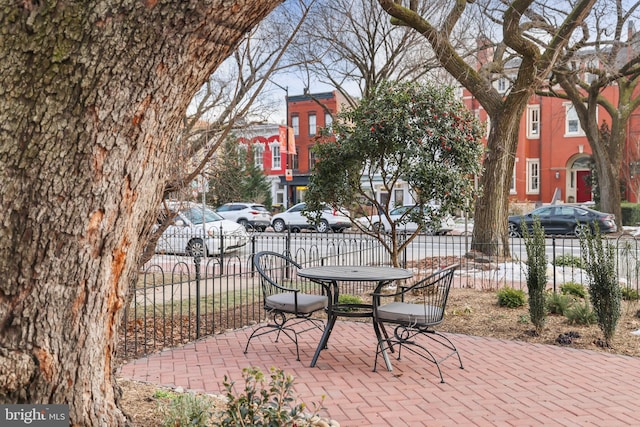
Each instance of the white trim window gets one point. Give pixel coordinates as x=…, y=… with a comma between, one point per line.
x=502, y=85
x=312, y=124
x=512, y=188
x=572, y=123
x=276, y=161
x=295, y=124
x=533, y=121
x=533, y=176
x=328, y=120
x=258, y=151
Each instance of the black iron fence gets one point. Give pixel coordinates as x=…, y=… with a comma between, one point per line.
x=178, y=299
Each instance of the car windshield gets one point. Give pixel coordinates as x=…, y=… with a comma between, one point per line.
x=399, y=211
x=196, y=215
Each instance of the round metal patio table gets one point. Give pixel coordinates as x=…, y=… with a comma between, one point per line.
x=333, y=275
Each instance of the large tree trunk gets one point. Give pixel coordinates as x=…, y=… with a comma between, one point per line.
x=91, y=95
x=608, y=147
x=490, y=234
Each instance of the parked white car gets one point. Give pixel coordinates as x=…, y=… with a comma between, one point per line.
x=196, y=229
x=253, y=216
x=401, y=216
x=294, y=220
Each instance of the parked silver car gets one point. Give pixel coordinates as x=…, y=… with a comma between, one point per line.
x=295, y=220
x=197, y=230
x=402, y=218
x=253, y=216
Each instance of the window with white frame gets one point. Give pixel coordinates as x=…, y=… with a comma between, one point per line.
x=312, y=124
x=533, y=121
x=502, y=85
x=533, y=176
x=328, y=120
x=572, y=123
x=276, y=161
x=295, y=124
x=312, y=158
x=512, y=187
x=258, y=151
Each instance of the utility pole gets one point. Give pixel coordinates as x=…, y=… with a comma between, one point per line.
x=288, y=172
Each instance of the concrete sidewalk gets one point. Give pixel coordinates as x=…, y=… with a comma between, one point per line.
x=503, y=383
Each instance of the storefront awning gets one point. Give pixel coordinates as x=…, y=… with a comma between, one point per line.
x=297, y=180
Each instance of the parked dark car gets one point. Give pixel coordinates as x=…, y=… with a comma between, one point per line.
x=563, y=219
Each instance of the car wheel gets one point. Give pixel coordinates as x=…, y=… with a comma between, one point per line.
x=514, y=231
x=323, y=226
x=244, y=223
x=278, y=225
x=581, y=230
x=196, y=247
x=378, y=227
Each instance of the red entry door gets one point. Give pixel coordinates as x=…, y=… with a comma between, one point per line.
x=583, y=189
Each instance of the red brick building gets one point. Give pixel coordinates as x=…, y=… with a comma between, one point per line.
x=553, y=156
x=306, y=114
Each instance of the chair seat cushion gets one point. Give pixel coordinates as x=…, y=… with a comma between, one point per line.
x=307, y=303
x=409, y=313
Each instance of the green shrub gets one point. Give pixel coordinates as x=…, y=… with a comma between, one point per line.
x=581, y=314
x=536, y=272
x=630, y=214
x=556, y=303
x=604, y=287
x=574, y=289
x=568, y=260
x=629, y=294
x=185, y=409
x=512, y=298
x=349, y=299
x=261, y=404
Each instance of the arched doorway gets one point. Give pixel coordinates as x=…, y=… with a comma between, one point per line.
x=578, y=177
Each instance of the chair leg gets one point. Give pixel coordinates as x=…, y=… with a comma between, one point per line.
x=448, y=344
x=275, y=328
x=284, y=326
x=406, y=339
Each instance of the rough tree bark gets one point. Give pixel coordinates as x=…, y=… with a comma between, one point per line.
x=91, y=94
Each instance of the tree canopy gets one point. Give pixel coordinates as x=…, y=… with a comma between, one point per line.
x=403, y=131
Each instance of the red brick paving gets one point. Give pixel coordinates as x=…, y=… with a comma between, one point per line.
x=503, y=383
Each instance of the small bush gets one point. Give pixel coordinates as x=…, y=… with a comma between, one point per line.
x=185, y=409
x=536, y=272
x=262, y=404
x=556, y=303
x=629, y=294
x=604, y=287
x=574, y=289
x=581, y=314
x=512, y=298
x=349, y=299
x=630, y=213
x=568, y=260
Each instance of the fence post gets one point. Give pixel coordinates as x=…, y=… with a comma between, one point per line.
x=196, y=261
x=253, y=251
x=287, y=244
x=221, y=246
x=553, y=261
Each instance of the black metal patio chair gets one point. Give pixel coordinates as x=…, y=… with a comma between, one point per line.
x=414, y=313
x=289, y=299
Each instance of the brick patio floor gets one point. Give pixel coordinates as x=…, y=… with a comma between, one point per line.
x=503, y=383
